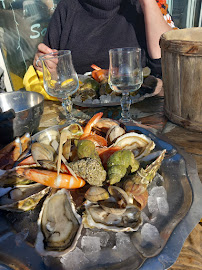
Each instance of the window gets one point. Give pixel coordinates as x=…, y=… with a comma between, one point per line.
x=186, y=13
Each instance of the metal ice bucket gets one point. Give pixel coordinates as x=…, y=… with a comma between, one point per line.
x=24, y=110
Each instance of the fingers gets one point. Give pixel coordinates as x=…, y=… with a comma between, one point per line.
x=42, y=49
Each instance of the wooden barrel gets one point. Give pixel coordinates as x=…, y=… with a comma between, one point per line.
x=182, y=76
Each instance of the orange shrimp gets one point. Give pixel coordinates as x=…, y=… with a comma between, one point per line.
x=27, y=161
x=87, y=132
x=99, y=74
x=96, y=139
x=91, y=123
x=49, y=178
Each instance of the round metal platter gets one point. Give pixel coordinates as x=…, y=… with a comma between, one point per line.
x=184, y=191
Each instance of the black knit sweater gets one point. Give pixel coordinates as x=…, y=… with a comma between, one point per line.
x=89, y=28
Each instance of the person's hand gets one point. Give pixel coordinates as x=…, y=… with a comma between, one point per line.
x=42, y=49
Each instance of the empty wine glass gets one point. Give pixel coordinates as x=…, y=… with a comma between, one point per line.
x=125, y=76
x=60, y=78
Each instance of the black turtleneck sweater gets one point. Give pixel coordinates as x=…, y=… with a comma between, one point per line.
x=89, y=28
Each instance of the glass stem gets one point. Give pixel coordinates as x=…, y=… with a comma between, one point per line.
x=125, y=105
x=67, y=105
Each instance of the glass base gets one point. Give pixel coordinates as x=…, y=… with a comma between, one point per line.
x=67, y=122
x=129, y=121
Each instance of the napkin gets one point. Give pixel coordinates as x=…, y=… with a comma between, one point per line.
x=33, y=81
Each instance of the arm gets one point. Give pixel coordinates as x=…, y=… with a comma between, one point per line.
x=155, y=26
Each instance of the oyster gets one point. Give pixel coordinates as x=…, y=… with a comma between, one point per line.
x=113, y=214
x=11, y=178
x=97, y=217
x=59, y=225
x=23, y=197
x=139, y=144
x=89, y=89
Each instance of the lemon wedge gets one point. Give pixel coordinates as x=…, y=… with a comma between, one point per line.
x=53, y=82
x=146, y=71
x=65, y=83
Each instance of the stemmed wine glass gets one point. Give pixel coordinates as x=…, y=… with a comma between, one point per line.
x=60, y=79
x=125, y=76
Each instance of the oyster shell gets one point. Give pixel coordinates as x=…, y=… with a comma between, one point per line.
x=113, y=133
x=23, y=197
x=114, y=214
x=139, y=144
x=97, y=217
x=59, y=225
x=10, y=178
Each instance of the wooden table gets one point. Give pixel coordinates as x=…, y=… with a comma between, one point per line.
x=150, y=113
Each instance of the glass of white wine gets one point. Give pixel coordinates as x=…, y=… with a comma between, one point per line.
x=125, y=76
x=60, y=79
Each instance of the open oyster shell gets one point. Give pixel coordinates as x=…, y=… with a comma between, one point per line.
x=59, y=225
x=97, y=217
x=23, y=197
x=139, y=144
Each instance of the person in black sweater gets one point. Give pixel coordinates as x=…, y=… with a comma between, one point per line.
x=90, y=28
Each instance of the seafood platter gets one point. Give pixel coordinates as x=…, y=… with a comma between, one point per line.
x=97, y=196
x=94, y=90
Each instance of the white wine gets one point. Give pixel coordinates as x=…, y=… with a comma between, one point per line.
x=125, y=83
x=62, y=90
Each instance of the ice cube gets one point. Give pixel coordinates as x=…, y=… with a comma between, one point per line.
x=104, y=236
x=158, y=192
x=152, y=204
x=75, y=259
x=88, y=101
x=105, y=98
x=150, y=234
x=90, y=244
x=96, y=101
x=124, y=245
x=163, y=206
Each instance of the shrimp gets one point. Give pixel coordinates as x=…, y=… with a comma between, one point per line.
x=87, y=132
x=27, y=161
x=91, y=123
x=99, y=74
x=51, y=179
